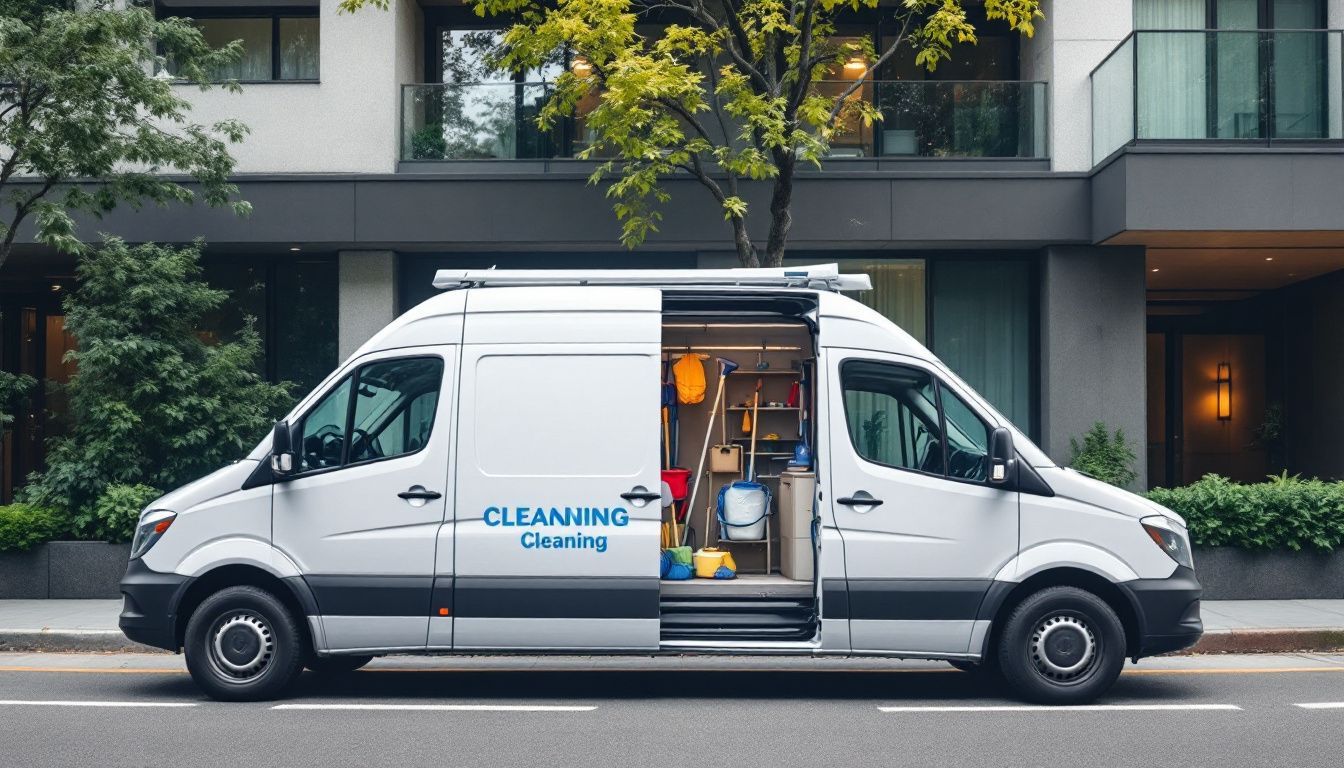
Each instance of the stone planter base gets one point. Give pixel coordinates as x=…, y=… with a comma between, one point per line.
x=64, y=569
x=1228, y=573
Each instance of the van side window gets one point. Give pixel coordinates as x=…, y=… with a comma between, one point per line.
x=383, y=409
x=967, y=438
x=892, y=415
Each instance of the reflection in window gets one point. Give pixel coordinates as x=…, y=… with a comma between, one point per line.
x=892, y=415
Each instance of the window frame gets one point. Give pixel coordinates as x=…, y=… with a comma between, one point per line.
x=275, y=14
x=939, y=383
x=297, y=425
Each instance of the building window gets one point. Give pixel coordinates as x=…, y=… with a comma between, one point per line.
x=292, y=305
x=276, y=46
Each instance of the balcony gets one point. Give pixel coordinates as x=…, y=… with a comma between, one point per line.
x=1259, y=87
x=922, y=119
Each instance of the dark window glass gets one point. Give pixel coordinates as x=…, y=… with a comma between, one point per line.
x=892, y=415
x=274, y=48
x=305, y=336
x=299, y=54
x=394, y=407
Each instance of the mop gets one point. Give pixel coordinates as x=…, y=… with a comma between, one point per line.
x=726, y=367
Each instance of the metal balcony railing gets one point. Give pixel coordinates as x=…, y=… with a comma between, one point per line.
x=497, y=121
x=1250, y=86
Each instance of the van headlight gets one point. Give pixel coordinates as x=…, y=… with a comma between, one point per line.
x=152, y=527
x=1169, y=538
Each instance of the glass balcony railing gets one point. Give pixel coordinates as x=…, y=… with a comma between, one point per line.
x=1261, y=86
x=920, y=119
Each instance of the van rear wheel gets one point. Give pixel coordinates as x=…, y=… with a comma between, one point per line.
x=242, y=644
x=1061, y=646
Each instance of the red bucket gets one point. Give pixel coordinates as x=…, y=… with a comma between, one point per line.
x=678, y=480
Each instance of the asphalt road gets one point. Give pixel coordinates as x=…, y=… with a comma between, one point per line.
x=124, y=710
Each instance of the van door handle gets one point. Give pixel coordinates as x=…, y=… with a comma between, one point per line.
x=419, y=492
x=639, y=496
x=859, y=499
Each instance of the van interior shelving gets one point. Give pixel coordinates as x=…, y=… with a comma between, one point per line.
x=773, y=597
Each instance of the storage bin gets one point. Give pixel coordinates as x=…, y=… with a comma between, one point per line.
x=795, y=557
x=796, y=491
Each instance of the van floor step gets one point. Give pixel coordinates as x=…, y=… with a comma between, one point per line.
x=736, y=619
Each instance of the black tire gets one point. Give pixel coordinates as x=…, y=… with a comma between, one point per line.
x=242, y=644
x=334, y=666
x=1061, y=646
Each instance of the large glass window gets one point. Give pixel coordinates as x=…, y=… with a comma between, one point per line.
x=275, y=46
x=983, y=330
x=967, y=437
x=292, y=305
x=390, y=414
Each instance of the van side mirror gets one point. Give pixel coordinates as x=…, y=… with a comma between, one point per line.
x=1002, y=457
x=282, y=453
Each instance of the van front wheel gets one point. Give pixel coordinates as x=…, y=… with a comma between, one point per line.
x=1061, y=646
x=242, y=644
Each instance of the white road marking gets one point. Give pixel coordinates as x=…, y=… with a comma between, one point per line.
x=441, y=707
x=41, y=703
x=1080, y=708
x=1322, y=705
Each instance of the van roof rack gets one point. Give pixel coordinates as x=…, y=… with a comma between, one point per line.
x=818, y=276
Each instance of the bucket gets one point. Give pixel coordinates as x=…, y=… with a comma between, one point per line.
x=677, y=480
x=743, y=507
x=709, y=560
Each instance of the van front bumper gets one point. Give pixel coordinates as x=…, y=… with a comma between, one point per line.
x=1168, y=612
x=149, y=602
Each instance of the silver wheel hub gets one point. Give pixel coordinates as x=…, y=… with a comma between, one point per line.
x=241, y=646
x=1063, y=648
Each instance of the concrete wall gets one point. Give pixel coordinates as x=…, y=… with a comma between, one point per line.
x=1093, y=329
x=368, y=296
x=347, y=122
x=1072, y=40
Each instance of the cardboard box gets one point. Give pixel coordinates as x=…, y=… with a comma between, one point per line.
x=796, y=491
x=795, y=557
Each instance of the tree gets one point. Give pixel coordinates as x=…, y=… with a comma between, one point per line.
x=80, y=101
x=152, y=402
x=728, y=94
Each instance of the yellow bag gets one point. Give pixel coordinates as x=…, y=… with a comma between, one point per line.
x=689, y=373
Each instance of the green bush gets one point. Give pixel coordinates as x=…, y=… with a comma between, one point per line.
x=24, y=526
x=1284, y=513
x=151, y=401
x=114, y=515
x=1104, y=456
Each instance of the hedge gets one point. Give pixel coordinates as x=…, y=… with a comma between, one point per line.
x=24, y=526
x=1283, y=513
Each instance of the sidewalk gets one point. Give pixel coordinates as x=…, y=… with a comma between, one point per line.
x=1230, y=626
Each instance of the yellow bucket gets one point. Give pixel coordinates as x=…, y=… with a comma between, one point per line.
x=708, y=560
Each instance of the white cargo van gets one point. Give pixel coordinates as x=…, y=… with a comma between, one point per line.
x=484, y=476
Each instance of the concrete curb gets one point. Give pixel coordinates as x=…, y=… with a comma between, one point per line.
x=70, y=641
x=1317, y=640
x=1222, y=641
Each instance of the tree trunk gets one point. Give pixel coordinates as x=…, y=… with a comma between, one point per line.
x=746, y=252
x=781, y=220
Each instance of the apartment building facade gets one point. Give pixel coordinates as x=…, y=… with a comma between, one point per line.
x=1134, y=217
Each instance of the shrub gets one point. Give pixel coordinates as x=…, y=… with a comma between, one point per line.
x=24, y=526
x=1103, y=456
x=151, y=401
x=1285, y=513
x=114, y=515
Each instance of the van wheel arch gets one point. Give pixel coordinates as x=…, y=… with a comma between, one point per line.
x=293, y=593
x=1000, y=608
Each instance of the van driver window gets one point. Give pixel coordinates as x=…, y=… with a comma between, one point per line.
x=967, y=439
x=892, y=415
x=391, y=413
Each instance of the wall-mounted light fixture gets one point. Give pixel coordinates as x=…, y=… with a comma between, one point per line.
x=856, y=64
x=1224, y=391
x=581, y=66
